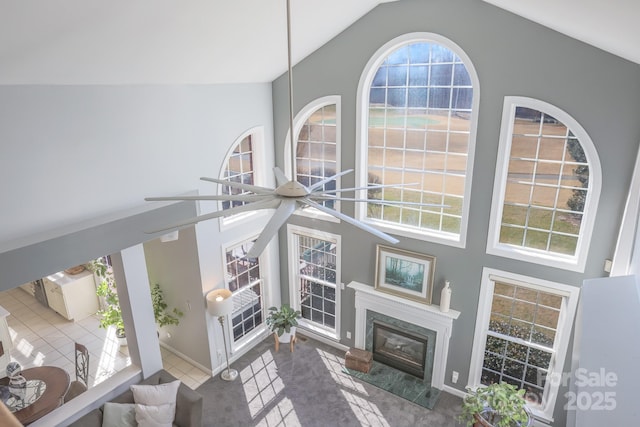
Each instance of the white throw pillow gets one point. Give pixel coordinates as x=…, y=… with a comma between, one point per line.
x=160, y=396
x=155, y=415
x=119, y=415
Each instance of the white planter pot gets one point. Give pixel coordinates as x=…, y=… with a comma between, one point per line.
x=285, y=338
x=122, y=340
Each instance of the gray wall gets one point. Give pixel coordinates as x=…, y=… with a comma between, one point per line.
x=512, y=56
x=181, y=287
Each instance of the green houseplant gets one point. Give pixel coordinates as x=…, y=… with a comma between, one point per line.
x=497, y=405
x=161, y=311
x=110, y=312
x=282, y=320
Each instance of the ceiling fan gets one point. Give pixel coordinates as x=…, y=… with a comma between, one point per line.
x=289, y=195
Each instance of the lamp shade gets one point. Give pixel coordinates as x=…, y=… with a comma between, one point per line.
x=220, y=302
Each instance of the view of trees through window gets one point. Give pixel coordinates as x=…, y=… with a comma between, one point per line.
x=316, y=149
x=521, y=336
x=318, y=281
x=419, y=125
x=547, y=185
x=239, y=169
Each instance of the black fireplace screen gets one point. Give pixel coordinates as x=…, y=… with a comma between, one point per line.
x=402, y=350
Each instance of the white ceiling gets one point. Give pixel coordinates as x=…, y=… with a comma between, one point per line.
x=228, y=41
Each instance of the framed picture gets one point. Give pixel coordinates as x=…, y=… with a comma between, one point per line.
x=405, y=274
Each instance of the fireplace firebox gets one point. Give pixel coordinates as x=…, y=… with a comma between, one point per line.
x=403, y=350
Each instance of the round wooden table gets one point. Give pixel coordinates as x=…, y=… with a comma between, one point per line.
x=46, y=386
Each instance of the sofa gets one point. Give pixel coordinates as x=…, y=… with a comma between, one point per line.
x=188, y=404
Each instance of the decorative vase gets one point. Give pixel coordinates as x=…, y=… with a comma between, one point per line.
x=445, y=297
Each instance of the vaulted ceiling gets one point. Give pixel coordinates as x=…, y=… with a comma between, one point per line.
x=231, y=41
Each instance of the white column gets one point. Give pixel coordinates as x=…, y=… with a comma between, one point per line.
x=132, y=279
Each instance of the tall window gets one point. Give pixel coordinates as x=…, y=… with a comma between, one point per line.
x=243, y=165
x=419, y=100
x=547, y=186
x=243, y=279
x=522, y=333
x=317, y=153
x=239, y=169
x=316, y=277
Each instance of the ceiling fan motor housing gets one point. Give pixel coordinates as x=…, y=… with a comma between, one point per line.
x=292, y=189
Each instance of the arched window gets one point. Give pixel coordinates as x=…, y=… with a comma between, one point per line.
x=317, y=146
x=547, y=186
x=418, y=99
x=243, y=164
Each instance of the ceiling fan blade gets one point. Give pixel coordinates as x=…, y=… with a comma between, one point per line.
x=377, y=201
x=253, y=188
x=281, y=178
x=224, y=197
x=263, y=204
x=351, y=221
x=281, y=215
x=321, y=184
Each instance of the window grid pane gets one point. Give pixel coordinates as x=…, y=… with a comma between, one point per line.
x=521, y=338
x=419, y=128
x=243, y=279
x=316, y=149
x=239, y=169
x=546, y=187
x=318, y=281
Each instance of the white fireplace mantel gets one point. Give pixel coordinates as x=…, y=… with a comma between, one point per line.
x=426, y=316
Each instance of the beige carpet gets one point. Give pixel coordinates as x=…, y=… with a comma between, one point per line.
x=309, y=388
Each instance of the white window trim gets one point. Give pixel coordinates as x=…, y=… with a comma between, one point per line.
x=294, y=281
x=362, y=124
x=299, y=120
x=494, y=247
x=563, y=333
x=259, y=162
x=259, y=332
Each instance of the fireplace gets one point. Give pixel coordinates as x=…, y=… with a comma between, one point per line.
x=399, y=349
x=405, y=315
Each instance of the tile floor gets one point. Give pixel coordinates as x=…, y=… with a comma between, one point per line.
x=42, y=337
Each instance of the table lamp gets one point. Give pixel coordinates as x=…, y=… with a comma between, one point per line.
x=220, y=304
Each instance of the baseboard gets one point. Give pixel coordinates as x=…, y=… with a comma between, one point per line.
x=461, y=394
x=324, y=340
x=186, y=358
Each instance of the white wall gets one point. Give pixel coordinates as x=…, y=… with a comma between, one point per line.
x=73, y=153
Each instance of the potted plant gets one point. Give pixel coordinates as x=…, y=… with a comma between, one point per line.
x=497, y=405
x=110, y=312
x=162, y=314
x=283, y=322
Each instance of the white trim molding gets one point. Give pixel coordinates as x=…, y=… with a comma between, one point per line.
x=426, y=316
